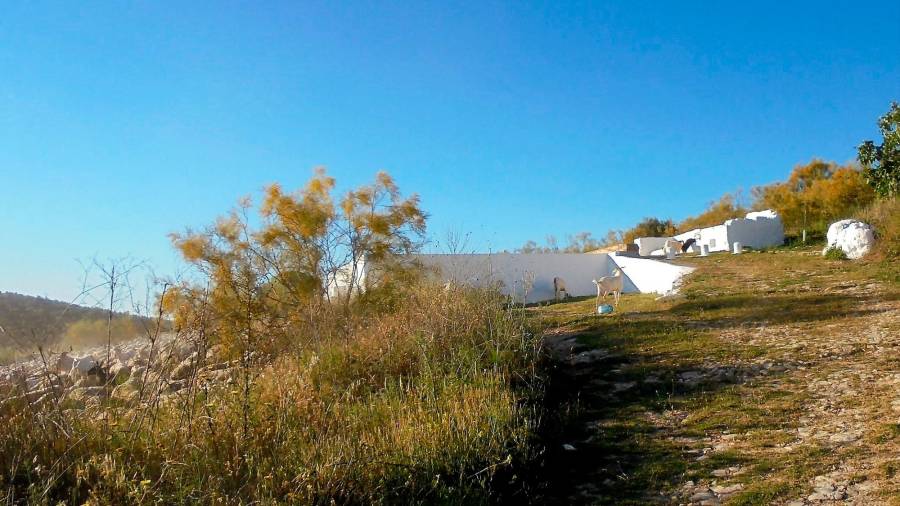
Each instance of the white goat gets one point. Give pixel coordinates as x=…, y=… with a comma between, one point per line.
x=610, y=285
x=559, y=287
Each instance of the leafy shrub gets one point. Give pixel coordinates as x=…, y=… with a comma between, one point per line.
x=815, y=195
x=726, y=208
x=882, y=162
x=835, y=253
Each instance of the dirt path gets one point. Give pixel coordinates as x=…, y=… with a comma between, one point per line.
x=777, y=380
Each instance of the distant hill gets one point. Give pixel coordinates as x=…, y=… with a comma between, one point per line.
x=28, y=322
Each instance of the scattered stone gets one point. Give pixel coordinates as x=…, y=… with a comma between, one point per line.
x=624, y=386
x=91, y=380
x=702, y=495
x=183, y=370
x=727, y=490
x=843, y=438
x=119, y=372
x=587, y=357
x=84, y=365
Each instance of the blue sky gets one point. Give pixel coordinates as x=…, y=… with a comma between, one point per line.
x=121, y=122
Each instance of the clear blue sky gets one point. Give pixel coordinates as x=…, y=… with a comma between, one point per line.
x=123, y=121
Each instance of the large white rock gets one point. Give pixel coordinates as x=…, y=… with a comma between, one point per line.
x=855, y=238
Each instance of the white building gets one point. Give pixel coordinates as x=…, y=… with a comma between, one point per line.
x=757, y=230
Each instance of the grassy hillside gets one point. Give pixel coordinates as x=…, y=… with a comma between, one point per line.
x=774, y=378
x=29, y=322
x=430, y=402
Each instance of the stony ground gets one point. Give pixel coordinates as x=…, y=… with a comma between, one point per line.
x=774, y=378
x=136, y=372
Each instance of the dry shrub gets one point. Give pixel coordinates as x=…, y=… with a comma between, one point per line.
x=94, y=332
x=884, y=215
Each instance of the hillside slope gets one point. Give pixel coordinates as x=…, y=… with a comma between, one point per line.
x=774, y=379
x=28, y=322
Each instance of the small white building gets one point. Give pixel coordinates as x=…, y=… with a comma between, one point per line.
x=648, y=246
x=762, y=229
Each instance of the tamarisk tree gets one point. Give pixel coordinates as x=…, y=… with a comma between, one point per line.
x=271, y=281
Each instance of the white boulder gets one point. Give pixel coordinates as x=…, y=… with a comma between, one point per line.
x=855, y=238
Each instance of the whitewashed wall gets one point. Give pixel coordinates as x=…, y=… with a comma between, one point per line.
x=761, y=229
x=515, y=270
x=758, y=230
x=647, y=245
x=716, y=238
x=645, y=275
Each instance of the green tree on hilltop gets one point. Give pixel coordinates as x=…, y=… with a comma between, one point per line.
x=882, y=163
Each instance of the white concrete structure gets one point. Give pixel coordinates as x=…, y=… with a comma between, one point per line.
x=523, y=276
x=645, y=275
x=855, y=238
x=757, y=230
x=529, y=277
x=647, y=245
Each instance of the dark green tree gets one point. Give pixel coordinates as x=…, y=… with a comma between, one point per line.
x=882, y=163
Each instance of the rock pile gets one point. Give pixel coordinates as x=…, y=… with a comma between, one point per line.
x=125, y=372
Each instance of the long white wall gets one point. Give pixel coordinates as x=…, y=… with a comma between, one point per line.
x=758, y=230
x=529, y=277
x=516, y=271
x=716, y=238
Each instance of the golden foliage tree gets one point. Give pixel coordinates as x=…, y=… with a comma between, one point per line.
x=816, y=194
x=267, y=284
x=649, y=227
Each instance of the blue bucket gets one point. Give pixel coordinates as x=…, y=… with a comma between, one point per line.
x=605, y=309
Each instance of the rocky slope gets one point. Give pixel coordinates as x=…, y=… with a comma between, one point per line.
x=127, y=372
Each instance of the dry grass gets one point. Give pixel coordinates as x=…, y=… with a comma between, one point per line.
x=781, y=365
x=432, y=402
